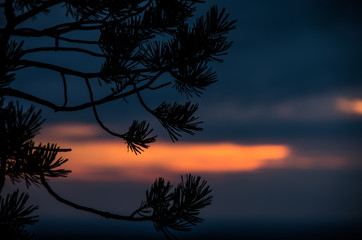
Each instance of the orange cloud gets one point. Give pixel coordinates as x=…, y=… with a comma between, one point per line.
x=88, y=158
x=349, y=106
x=70, y=130
x=104, y=160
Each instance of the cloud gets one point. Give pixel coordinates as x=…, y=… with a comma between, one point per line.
x=104, y=160
x=89, y=159
x=315, y=108
x=69, y=132
x=351, y=106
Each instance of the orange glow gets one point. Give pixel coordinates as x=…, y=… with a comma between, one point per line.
x=350, y=106
x=88, y=158
x=104, y=160
x=70, y=130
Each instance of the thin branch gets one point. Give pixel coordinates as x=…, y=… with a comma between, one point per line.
x=141, y=99
x=66, y=49
x=70, y=26
x=160, y=86
x=19, y=68
x=67, y=27
x=19, y=94
x=56, y=68
x=115, y=96
x=10, y=16
x=88, y=209
x=65, y=89
x=60, y=29
x=57, y=150
x=63, y=28
x=76, y=26
x=74, y=40
x=36, y=33
x=2, y=172
x=35, y=11
x=137, y=211
x=96, y=114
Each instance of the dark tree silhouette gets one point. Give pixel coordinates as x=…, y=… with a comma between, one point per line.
x=145, y=45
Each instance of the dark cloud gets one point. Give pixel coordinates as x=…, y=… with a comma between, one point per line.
x=264, y=204
x=286, y=49
x=289, y=63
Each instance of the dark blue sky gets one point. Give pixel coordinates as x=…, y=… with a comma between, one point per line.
x=290, y=62
x=290, y=65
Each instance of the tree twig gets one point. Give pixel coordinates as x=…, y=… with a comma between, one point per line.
x=57, y=68
x=31, y=13
x=65, y=49
x=96, y=114
x=19, y=94
x=88, y=209
x=36, y=33
x=65, y=89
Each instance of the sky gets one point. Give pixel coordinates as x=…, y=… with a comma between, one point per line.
x=281, y=146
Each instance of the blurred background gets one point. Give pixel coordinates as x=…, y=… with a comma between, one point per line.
x=281, y=146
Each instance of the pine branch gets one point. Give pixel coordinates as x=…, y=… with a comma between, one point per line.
x=31, y=13
x=28, y=161
x=13, y=210
x=133, y=62
x=65, y=49
x=137, y=137
x=176, y=118
x=96, y=114
x=88, y=209
x=29, y=63
x=64, y=89
x=36, y=33
x=56, y=108
x=178, y=209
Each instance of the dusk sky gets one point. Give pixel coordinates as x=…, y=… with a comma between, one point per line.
x=281, y=146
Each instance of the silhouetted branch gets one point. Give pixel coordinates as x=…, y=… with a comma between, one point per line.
x=56, y=108
x=15, y=215
x=10, y=17
x=176, y=118
x=31, y=13
x=64, y=89
x=75, y=40
x=96, y=114
x=177, y=210
x=19, y=94
x=13, y=210
x=56, y=68
x=65, y=49
x=2, y=171
x=63, y=28
x=28, y=161
x=51, y=150
x=159, y=86
x=141, y=99
x=139, y=41
x=87, y=209
x=137, y=137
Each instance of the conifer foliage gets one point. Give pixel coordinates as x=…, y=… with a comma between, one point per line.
x=144, y=45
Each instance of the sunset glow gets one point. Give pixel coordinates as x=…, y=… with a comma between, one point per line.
x=350, y=106
x=88, y=158
x=71, y=130
x=94, y=158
